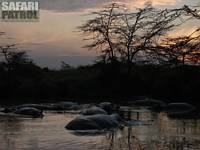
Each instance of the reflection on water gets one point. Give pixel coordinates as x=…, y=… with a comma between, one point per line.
x=49, y=133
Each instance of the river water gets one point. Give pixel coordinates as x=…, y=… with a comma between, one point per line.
x=158, y=133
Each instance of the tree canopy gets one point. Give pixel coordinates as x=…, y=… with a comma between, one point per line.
x=118, y=33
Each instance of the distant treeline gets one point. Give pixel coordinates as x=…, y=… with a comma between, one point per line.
x=27, y=82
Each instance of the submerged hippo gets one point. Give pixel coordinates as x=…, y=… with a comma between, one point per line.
x=150, y=103
x=40, y=106
x=37, y=106
x=8, y=110
x=180, y=110
x=52, y=106
x=2, y=109
x=68, y=105
x=95, y=122
x=93, y=111
x=29, y=111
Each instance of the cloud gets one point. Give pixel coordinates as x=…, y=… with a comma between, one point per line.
x=71, y=5
x=84, y=5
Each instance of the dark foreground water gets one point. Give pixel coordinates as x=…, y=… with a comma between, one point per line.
x=159, y=133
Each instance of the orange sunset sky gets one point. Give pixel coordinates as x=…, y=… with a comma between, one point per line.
x=53, y=39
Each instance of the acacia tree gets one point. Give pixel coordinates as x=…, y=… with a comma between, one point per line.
x=130, y=31
x=178, y=50
x=12, y=56
x=7, y=51
x=117, y=32
x=140, y=29
x=101, y=31
x=144, y=28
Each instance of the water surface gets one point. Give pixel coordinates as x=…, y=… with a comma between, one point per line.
x=48, y=133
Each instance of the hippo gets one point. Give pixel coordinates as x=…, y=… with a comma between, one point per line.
x=180, y=110
x=29, y=111
x=47, y=106
x=150, y=103
x=93, y=111
x=37, y=106
x=8, y=110
x=51, y=106
x=1, y=109
x=108, y=107
x=95, y=122
x=68, y=105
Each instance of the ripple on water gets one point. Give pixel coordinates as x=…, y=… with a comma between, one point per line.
x=49, y=133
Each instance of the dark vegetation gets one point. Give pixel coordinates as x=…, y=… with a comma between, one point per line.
x=30, y=83
x=136, y=58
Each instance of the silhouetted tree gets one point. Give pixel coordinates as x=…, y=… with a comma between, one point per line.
x=140, y=29
x=130, y=31
x=119, y=33
x=65, y=66
x=146, y=27
x=176, y=51
x=13, y=56
x=101, y=31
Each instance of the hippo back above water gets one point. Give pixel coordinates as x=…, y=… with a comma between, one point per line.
x=28, y=111
x=179, y=107
x=181, y=110
x=94, y=122
x=153, y=104
x=93, y=111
